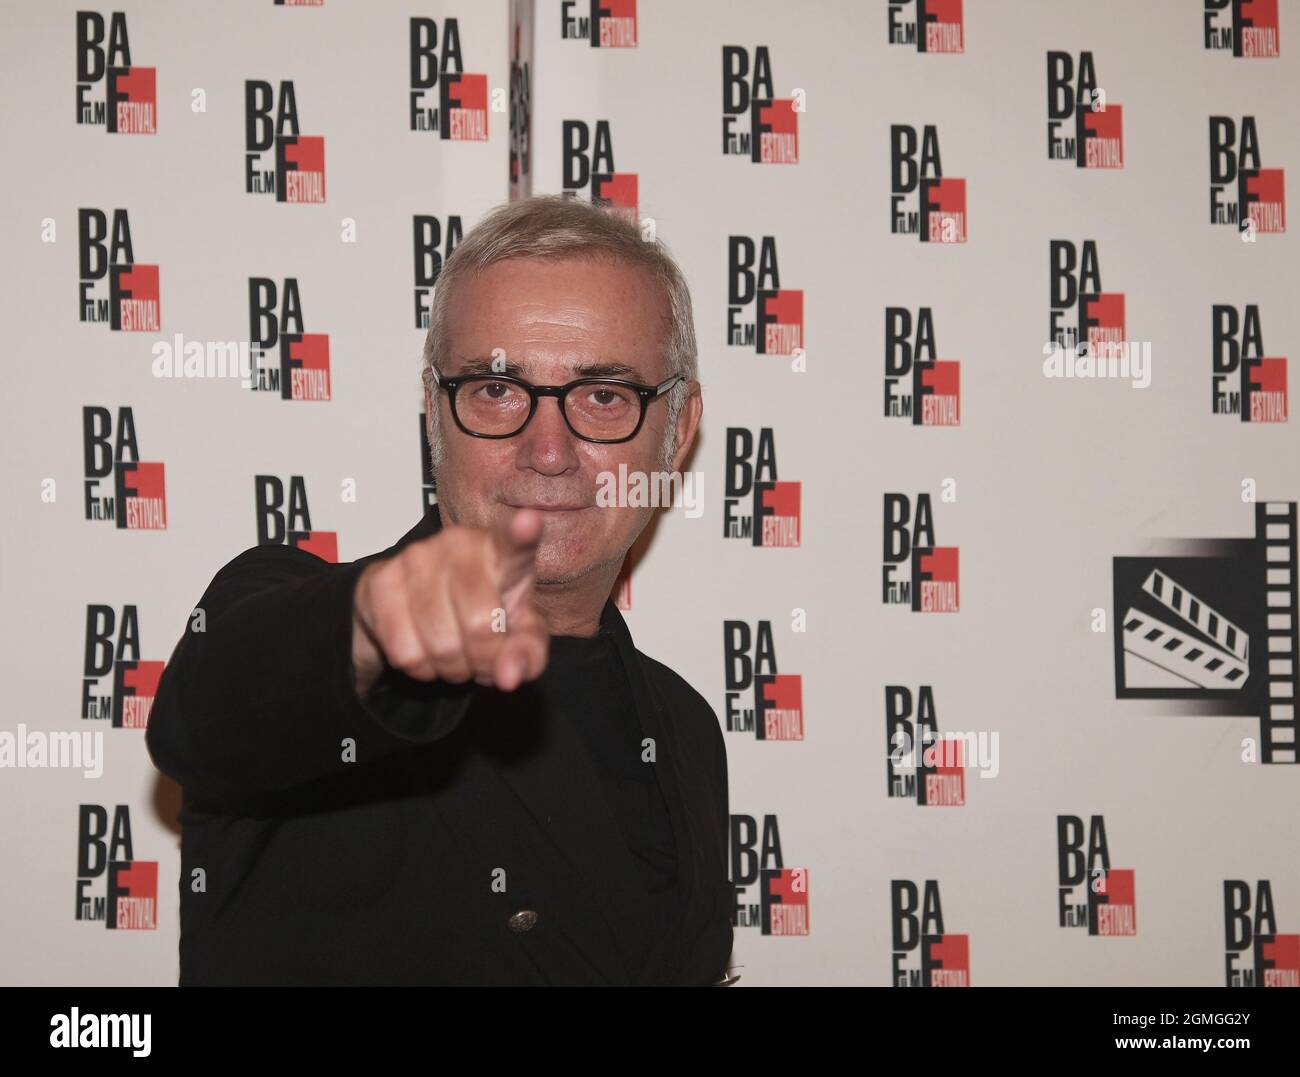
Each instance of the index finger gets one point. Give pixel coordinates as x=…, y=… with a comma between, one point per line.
x=515, y=543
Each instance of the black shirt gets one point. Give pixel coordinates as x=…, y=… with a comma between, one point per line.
x=432, y=833
x=586, y=684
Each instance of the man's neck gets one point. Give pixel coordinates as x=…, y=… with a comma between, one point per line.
x=574, y=608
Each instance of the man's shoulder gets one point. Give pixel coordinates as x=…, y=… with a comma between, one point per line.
x=270, y=565
x=285, y=557
x=682, y=695
x=670, y=680
x=275, y=554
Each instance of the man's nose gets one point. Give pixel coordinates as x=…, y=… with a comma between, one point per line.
x=546, y=444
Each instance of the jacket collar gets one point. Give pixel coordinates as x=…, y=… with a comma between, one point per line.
x=595, y=845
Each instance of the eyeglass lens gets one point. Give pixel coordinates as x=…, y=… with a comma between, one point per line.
x=594, y=409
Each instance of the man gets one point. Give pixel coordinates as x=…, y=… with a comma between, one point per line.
x=447, y=762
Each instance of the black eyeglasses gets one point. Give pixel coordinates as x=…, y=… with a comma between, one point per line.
x=603, y=410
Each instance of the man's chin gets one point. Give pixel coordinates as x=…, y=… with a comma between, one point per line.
x=568, y=560
x=557, y=566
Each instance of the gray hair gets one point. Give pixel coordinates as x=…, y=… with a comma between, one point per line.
x=557, y=227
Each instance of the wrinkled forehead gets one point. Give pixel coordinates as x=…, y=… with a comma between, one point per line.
x=581, y=317
x=538, y=371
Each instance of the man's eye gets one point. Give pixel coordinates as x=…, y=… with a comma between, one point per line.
x=608, y=396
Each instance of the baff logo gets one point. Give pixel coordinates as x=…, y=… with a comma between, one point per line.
x=1255, y=954
x=587, y=152
x=922, y=202
x=139, y=498
x=1083, y=317
x=918, y=385
x=277, y=159
x=1211, y=624
x=104, y=854
x=1244, y=381
x=749, y=660
x=1082, y=125
x=607, y=24
x=111, y=93
x=773, y=517
x=1241, y=192
x=920, y=764
x=113, y=288
x=927, y=25
x=755, y=123
x=1246, y=27
x=434, y=243
x=113, y=650
x=302, y=369
x=756, y=860
x=930, y=583
x=760, y=313
x=286, y=521
x=461, y=112
x=924, y=955
x=521, y=117
x=1090, y=892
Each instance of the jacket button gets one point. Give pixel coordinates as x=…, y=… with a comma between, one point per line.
x=522, y=921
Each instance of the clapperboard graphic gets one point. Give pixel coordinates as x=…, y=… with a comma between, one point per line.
x=1211, y=624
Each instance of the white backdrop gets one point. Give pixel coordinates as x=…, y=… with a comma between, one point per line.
x=1042, y=484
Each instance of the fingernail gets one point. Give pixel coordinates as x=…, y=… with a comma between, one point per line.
x=513, y=674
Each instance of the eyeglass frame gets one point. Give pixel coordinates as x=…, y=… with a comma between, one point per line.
x=646, y=393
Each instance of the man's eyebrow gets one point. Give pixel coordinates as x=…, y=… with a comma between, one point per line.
x=581, y=370
x=490, y=366
x=607, y=370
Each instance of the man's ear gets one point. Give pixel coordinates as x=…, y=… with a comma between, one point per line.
x=428, y=414
x=426, y=375
x=688, y=423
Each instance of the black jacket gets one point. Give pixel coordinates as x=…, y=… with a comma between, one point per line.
x=436, y=833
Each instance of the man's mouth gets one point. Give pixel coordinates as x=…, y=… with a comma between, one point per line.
x=549, y=507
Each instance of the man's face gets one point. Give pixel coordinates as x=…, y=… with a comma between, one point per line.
x=554, y=322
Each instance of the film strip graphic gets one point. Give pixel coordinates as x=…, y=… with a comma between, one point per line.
x=1275, y=530
x=1180, y=653
x=1181, y=644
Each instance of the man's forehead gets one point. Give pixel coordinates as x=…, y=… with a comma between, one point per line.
x=583, y=298
x=605, y=285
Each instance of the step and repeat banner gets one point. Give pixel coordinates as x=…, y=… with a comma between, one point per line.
x=988, y=567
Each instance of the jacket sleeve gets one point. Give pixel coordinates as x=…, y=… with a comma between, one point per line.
x=263, y=698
